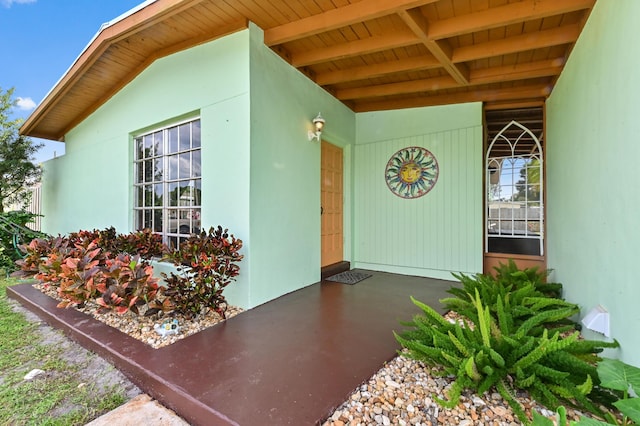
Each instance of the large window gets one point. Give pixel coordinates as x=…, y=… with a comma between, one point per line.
x=168, y=185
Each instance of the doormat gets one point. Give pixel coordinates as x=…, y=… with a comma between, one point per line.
x=348, y=277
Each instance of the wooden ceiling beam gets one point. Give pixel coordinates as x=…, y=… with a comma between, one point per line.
x=554, y=37
x=484, y=76
x=500, y=105
x=441, y=50
x=504, y=15
x=337, y=18
x=354, y=48
x=535, y=92
x=425, y=85
x=529, y=70
x=377, y=70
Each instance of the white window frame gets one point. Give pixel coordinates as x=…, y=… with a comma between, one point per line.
x=173, y=222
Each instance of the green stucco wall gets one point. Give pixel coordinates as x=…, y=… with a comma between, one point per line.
x=440, y=232
x=91, y=185
x=260, y=174
x=593, y=191
x=285, y=172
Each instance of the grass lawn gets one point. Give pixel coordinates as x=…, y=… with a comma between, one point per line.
x=71, y=391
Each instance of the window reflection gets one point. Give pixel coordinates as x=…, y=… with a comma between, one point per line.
x=195, y=138
x=173, y=140
x=185, y=137
x=168, y=188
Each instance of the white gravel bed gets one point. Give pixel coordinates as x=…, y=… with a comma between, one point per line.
x=402, y=393
x=142, y=328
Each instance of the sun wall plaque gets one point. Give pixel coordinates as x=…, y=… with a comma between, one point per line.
x=411, y=172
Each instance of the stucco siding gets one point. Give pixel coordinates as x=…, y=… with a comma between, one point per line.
x=285, y=172
x=92, y=185
x=593, y=136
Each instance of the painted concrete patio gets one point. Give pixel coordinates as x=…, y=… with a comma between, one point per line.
x=290, y=361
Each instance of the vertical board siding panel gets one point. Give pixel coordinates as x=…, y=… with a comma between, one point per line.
x=438, y=217
x=445, y=180
x=438, y=231
x=386, y=250
x=438, y=210
x=382, y=206
x=475, y=223
x=465, y=201
x=454, y=197
x=364, y=203
x=465, y=214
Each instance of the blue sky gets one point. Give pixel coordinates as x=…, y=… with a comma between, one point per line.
x=40, y=39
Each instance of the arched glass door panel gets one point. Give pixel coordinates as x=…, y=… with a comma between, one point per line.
x=514, y=192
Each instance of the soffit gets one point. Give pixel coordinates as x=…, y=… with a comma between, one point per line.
x=370, y=54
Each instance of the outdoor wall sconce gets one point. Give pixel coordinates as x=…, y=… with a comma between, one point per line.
x=318, y=124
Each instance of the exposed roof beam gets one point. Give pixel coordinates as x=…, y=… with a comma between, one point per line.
x=354, y=48
x=337, y=18
x=441, y=50
x=537, y=69
x=484, y=76
x=504, y=15
x=377, y=70
x=498, y=95
x=425, y=85
x=538, y=40
x=501, y=105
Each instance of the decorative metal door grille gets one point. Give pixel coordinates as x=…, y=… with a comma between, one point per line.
x=514, y=192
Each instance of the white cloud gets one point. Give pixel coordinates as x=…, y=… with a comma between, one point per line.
x=8, y=3
x=25, y=104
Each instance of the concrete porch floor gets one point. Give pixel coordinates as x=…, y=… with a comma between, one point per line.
x=290, y=361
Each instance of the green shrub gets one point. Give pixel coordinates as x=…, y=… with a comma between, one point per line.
x=509, y=273
x=621, y=379
x=498, y=351
x=520, y=294
x=13, y=233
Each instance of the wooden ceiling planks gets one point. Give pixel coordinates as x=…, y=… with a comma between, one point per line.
x=372, y=54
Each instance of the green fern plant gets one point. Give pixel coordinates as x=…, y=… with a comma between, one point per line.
x=496, y=351
x=510, y=273
x=520, y=295
x=622, y=379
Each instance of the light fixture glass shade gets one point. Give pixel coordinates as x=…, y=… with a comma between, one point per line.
x=318, y=125
x=318, y=122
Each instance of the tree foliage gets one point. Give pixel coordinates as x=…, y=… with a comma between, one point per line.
x=17, y=171
x=528, y=186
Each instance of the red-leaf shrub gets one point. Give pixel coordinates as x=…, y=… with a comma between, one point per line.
x=207, y=262
x=81, y=270
x=126, y=283
x=98, y=265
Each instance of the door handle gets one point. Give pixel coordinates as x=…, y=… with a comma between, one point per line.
x=321, y=210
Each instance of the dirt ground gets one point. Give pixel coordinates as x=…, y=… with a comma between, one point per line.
x=92, y=369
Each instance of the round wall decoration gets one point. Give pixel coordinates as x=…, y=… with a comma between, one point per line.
x=411, y=172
